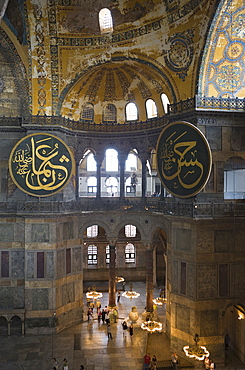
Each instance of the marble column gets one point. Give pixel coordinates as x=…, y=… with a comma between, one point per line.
x=149, y=279
x=122, y=158
x=99, y=160
x=143, y=158
x=112, y=275
x=77, y=180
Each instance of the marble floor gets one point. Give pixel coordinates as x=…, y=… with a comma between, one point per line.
x=87, y=343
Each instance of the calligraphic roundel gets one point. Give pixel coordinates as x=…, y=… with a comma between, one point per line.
x=183, y=159
x=41, y=164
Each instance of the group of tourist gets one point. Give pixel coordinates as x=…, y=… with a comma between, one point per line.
x=56, y=365
x=209, y=364
x=150, y=363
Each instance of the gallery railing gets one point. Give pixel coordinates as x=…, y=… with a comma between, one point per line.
x=193, y=210
x=200, y=102
x=97, y=127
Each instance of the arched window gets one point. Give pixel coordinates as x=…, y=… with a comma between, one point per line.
x=111, y=159
x=92, y=255
x=88, y=113
x=131, y=112
x=165, y=102
x=129, y=253
x=107, y=254
x=131, y=163
x=130, y=231
x=92, y=231
x=91, y=162
x=92, y=184
x=151, y=109
x=110, y=113
x=111, y=185
x=105, y=21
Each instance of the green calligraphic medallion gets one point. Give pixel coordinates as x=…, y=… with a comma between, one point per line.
x=183, y=159
x=41, y=164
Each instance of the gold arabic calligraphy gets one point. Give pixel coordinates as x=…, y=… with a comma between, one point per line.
x=34, y=163
x=175, y=161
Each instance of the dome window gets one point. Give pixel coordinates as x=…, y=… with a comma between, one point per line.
x=151, y=109
x=110, y=113
x=88, y=113
x=105, y=21
x=131, y=112
x=165, y=102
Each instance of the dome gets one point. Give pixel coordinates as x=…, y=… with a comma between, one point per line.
x=115, y=82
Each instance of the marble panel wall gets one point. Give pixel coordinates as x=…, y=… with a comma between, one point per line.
x=40, y=233
x=11, y=297
x=6, y=232
x=40, y=299
x=206, y=281
x=209, y=323
x=183, y=318
x=183, y=239
x=223, y=241
x=17, y=264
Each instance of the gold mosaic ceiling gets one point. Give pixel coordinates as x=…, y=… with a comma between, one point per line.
x=114, y=82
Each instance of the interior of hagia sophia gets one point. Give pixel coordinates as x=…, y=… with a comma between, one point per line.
x=100, y=82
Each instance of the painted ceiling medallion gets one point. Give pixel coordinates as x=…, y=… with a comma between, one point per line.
x=180, y=54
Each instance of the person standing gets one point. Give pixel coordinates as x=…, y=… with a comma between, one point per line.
x=99, y=315
x=147, y=361
x=227, y=340
x=103, y=316
x=174, y=359
x=118, y=296
x=206, y=363
x=65, y=364
x=125, y=327
x=153, y=362
x=55, y=363
x=109, y=331
x=212, y=365
x=131, y=331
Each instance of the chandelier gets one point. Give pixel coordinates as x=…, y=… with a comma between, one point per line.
x=197, y=352
x=159, y=301
x=93, y=294
x=130, y=293
x=152, y=326
x=119, y=279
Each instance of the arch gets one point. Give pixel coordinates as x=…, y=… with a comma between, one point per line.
x=105, y=21
x=234, y=178
x=91, y=162
x=15, y=325
x=18, y=71
x=131, y=112
x=87, y=114
x=223, y=54
x=3, y=326
x=110, y=113
x=151, y=108
x=111, y=158
x=165, y=102
x=92, y=222
x=77, y=83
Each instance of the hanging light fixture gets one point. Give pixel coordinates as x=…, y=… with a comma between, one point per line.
x=152, y=326
x=159, y=301
x=93, y=294
x=197, y=352
x=130, y=293
x=119, y=279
